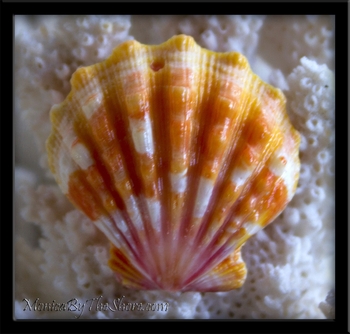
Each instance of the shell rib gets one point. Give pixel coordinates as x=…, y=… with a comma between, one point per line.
x=178, y=154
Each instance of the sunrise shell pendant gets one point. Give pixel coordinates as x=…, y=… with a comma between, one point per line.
x=178, y=154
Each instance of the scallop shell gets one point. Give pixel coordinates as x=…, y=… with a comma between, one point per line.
x=178, y=154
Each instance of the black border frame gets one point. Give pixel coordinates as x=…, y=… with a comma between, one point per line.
x=10, y=8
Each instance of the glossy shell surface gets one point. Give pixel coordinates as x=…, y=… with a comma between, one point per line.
x=178, y=154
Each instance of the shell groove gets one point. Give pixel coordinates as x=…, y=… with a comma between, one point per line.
x=178, y=154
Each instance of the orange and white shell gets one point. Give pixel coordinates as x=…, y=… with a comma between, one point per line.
x=178, y=154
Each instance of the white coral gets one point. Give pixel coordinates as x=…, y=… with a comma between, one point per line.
x=297, y=37
x=219, y=33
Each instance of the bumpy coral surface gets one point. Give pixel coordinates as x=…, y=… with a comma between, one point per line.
x=290, y=263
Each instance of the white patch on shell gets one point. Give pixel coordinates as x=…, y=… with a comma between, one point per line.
x=141, y=131
x=154, y=212
x=204, y=192
x=134, y=212
x=104, y=224
x=92, y=104
x=120, y=222
x=66, y=167
x=239, y=176
x=79, y=152
x=225, y=129
x=282, y=165
x=252, y=227
x=67, y=132
x=178, y=181
x=82, y=156
x=276, y=165
x=289, y=180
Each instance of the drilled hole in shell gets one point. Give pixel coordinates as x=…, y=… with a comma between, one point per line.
x=157, y=65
